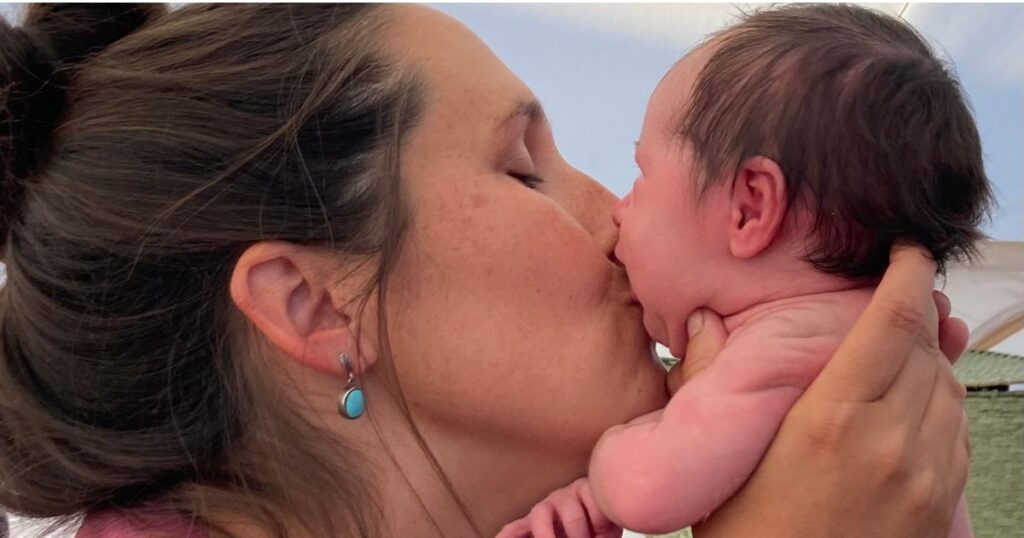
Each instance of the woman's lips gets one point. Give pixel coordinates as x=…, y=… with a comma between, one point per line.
x=618, y=262
x=614, y=257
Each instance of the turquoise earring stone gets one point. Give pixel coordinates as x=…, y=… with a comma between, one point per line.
x=352, y=404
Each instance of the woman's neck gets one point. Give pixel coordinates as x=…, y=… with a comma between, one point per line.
x=495, y=480
x=474, y=488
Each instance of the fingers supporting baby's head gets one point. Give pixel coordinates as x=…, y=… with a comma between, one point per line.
x=900, y=321
x=706, y=339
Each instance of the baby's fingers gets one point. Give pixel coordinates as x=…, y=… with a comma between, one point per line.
x=599, y=523
x=519, y=528
x=542, y=521
x=571, y=519
x=575, y=511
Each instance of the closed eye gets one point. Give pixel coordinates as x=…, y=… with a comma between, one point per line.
x=531, y=181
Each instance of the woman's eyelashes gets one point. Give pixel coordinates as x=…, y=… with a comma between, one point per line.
x=530, y=180
x=522, y=166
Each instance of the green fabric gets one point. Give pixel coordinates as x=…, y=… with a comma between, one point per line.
x=985, y=369
x=975, y=369
x=995, y=486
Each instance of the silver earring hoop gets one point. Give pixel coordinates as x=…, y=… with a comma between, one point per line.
x=351, y=402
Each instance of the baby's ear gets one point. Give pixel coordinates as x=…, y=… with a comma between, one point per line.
x=758, y=206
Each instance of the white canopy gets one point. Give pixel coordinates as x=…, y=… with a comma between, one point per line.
x=989, y=296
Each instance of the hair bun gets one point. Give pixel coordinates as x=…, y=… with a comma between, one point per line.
x=36, y=61
x=77, y=31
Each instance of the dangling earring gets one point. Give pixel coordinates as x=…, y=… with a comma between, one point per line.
x=351, y=402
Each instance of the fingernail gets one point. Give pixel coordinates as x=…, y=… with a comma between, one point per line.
x=695, y=323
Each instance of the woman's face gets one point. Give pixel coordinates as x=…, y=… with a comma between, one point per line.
x=508, y=319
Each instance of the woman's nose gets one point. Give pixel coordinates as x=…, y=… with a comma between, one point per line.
x=620, y=208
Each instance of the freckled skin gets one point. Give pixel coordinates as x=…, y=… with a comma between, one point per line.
x=512, y=331
x=479, y=201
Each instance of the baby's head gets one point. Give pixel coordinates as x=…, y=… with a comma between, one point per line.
x=787, y=154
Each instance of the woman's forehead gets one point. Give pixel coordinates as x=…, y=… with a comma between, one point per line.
x=463, y=75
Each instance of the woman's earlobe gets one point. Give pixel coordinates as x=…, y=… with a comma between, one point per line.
x=280, y=288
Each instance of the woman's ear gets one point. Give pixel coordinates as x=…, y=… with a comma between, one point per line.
x=758, y=206
x=288, y=294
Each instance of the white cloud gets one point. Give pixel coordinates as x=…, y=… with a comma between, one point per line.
x=1003, y=62
x=11, y=12
x=985, y=35
x=676, y=25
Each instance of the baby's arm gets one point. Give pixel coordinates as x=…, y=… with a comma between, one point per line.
x=660, y=474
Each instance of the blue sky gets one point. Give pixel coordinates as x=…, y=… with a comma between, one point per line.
x=594, y=66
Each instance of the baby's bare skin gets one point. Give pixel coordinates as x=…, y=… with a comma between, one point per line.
x=742, y=244
x=670, y=469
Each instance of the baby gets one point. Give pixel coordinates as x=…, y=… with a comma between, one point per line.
x=779, y=163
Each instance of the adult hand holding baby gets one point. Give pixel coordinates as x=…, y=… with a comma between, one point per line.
x=878, y=443
x=707, y=336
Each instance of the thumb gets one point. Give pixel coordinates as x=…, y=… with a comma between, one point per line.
x=707, y=336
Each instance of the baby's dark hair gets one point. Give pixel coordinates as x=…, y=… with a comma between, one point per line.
x=871, y=130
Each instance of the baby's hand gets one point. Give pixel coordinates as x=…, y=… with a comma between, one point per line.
x=569, y=512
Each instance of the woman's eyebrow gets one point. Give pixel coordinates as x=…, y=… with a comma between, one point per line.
x=531, y=110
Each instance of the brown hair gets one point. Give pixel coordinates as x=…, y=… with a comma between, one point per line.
x=142, y=153
x=871, y=130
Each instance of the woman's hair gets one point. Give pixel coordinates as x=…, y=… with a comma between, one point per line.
x=142, y=152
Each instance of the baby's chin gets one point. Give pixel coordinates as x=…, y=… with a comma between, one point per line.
x=677, y=342
x=677, y=336
x=674, y=338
